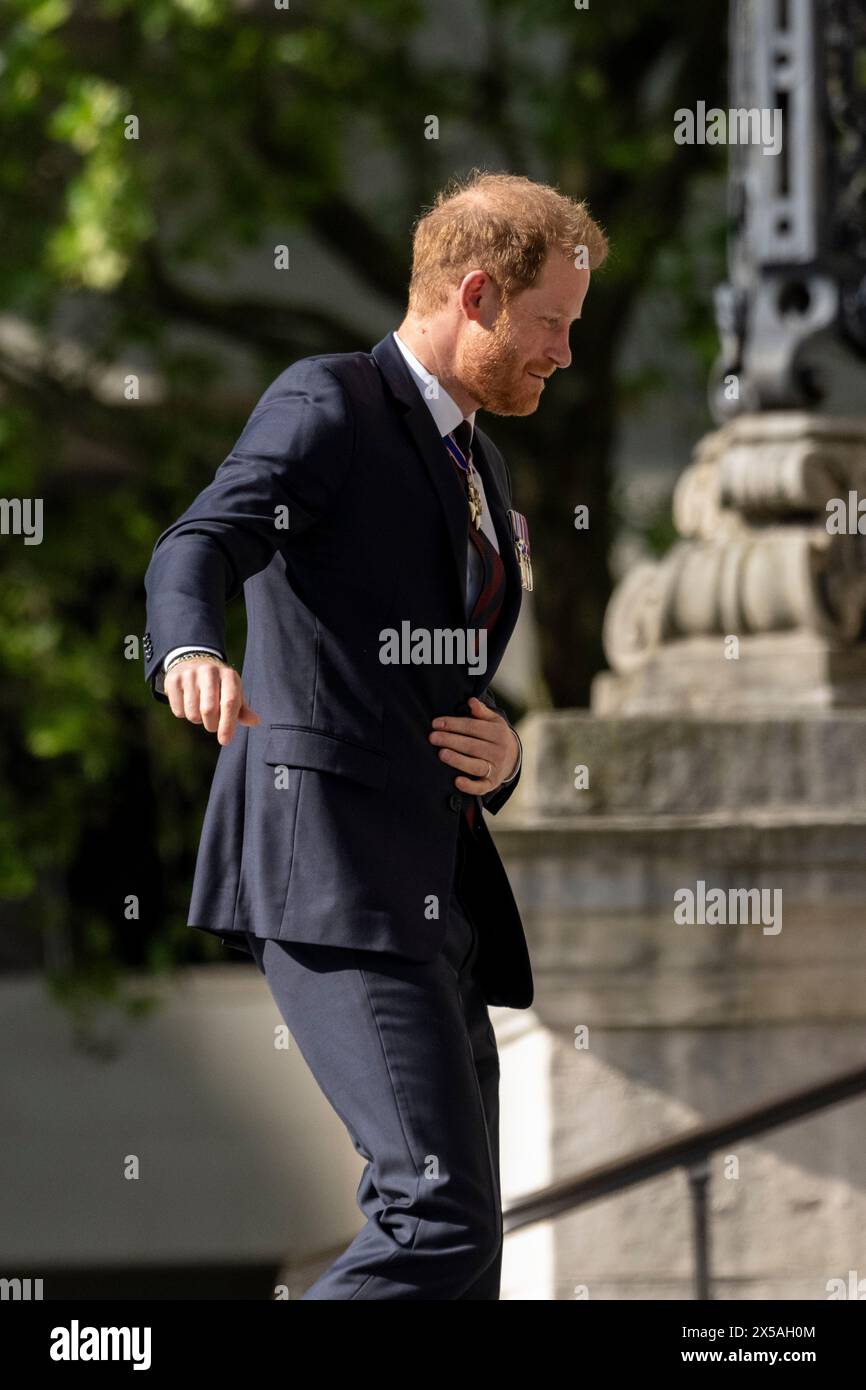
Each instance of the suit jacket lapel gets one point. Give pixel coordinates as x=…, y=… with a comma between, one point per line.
x=428, y=441
x=452, y=495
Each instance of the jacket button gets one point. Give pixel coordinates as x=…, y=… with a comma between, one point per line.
x=455, y=801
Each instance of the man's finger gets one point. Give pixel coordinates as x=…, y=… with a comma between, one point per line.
x=465, y=743
x=189, y=685
x=174, y=691
x=208, y=682
x=231, y=699
x=483, y=711
x=475, y=788
x=473, y=728
x=476, y=767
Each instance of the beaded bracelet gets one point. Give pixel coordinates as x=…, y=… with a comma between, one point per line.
x=192, y=656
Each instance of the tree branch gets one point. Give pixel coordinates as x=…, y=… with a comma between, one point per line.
x=256, y=322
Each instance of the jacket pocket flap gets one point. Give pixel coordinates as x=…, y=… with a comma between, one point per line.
x=326, y=753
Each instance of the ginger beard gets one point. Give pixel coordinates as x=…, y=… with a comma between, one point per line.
x=492, y=369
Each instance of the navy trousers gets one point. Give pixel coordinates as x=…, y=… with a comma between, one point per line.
x=405, y=1053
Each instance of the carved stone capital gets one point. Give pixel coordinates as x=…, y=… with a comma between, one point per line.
x=757, y=555
x=763, y=468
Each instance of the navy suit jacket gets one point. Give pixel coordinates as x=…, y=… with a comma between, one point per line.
x=339, y=514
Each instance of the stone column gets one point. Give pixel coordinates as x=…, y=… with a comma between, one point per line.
x=725, y=755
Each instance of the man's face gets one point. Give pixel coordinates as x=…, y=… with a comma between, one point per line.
x=503, y=356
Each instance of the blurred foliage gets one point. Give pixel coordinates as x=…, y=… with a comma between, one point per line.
x=146, y=144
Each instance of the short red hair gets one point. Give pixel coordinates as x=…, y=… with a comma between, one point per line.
x=504, y=224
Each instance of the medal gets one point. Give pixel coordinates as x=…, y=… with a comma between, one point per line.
x=520, y=535
x=465, y=464
x=474, y=499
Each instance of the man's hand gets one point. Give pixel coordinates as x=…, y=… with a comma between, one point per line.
x=476, y=743
x=210, y=693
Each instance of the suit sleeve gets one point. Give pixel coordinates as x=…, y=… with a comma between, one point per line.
x=283, y=473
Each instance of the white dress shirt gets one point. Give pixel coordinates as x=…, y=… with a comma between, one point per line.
x=448, y=415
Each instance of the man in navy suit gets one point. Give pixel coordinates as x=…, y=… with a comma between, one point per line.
x=371, y=526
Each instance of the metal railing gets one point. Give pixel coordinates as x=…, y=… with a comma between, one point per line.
x=691, y=1151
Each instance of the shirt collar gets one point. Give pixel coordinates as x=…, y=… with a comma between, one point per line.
x=444, y=409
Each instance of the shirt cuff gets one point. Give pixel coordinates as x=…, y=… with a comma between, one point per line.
x=508, y=780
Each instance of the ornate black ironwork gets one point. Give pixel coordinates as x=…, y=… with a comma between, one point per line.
x=797, y=243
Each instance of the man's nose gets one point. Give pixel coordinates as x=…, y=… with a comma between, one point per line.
x=560, y=352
